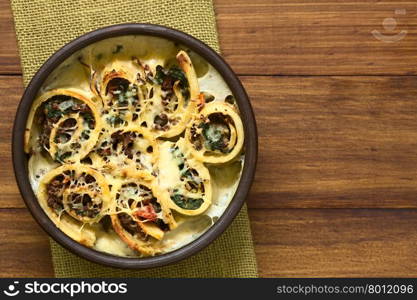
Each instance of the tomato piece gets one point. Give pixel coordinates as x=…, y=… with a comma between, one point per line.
x=147, y=212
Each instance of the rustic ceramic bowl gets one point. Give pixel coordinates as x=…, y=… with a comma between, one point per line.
x=20, y=159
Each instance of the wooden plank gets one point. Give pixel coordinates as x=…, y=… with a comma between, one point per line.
x=24, y=247
x=335, y=242
x=293, y=37
x=288, y=243
x=335, y=141
x=305, y=37
x=324, y=141
x=9, y=57
x=11, y=89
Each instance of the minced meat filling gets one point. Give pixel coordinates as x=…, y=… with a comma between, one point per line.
x=83, y=205
x=80, y=204
x=55, y=190
x=131, y=225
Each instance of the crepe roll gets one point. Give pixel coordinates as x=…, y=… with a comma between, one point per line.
x=121, y=86
x=65, y=123
x=175, y=95
x=141, y=215
x=215, y=134
x=75, y=196
x=186, y=180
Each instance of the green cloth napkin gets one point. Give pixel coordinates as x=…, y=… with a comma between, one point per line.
x=43, y=26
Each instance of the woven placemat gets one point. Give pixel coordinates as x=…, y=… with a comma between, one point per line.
x=43, y=26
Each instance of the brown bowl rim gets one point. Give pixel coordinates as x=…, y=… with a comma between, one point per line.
x=251, y=145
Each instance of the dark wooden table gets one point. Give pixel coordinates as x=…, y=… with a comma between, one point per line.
x=336, y=187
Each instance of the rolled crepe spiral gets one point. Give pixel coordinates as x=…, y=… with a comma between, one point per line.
x=175, y=93
x=74, y=196
x=141, y=214
x=67, y=126
x=121, y=89
x=186, y=180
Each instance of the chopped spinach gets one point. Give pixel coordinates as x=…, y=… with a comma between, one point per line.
x=160, y=75
x=87, y=116
x=187, y=203
x=174, y=72
x=53, y=114
x=213, y=136
x=215, y=145
x=125, y=92
x=186, y=173
x=66, y=105
x=178, y=74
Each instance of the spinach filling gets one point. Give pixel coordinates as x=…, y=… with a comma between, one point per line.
x=61, y=105
x=188, y=175
x=123, y=92
x=192, y=182
x=167, y=77
x=187, y=203
x=216, y=133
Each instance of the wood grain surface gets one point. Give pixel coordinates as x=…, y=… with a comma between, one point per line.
x=298, y=37
x=335, y=141
x=335, y=193
x=316, y=37
x=9, y=56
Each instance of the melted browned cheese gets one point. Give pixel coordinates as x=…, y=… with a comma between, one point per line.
x=151, y=51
